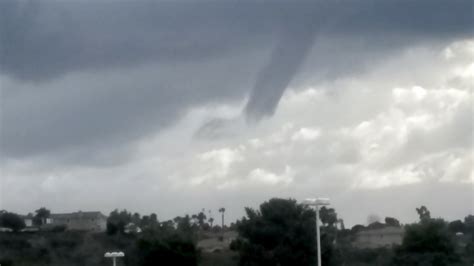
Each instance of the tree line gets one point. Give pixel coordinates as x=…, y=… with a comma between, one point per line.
x=279, y=232
x=282, y=232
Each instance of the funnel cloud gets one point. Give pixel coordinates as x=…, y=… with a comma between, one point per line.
x=286, y=58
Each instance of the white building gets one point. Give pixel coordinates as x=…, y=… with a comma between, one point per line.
x=28, y=220
x=82, y=221
x=376, y=238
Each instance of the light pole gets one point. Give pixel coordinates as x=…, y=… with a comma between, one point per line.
x=114, y=255
x=316, y=203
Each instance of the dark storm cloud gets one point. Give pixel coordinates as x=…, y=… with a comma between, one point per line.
x=196, y=48
x=42, y=40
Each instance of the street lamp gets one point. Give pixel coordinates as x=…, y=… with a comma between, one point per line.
x=114, y=255
x=316, y=203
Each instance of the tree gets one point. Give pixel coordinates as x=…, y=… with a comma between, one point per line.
x=201, y=218
x=457, y=226
x=172, y=250
x=136, y=218
x=281, y=232
x=211, y=221
x=183, y=224
x=42, y=214
x=469, y=224
x=172, y=243
x=424, y=213
x=427, y=243
x=11, y=220
x=469, y=230
x=167, y=225
x=390, y=221
x=357, y=228
x=145, y=222
x=222, y=210
x=154, y=220
x=117, y=221
x=328, y=216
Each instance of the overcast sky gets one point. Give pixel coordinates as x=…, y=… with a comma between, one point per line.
x=171, y=107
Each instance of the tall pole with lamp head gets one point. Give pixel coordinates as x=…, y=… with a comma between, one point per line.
x=114, y=256
x=316, y=203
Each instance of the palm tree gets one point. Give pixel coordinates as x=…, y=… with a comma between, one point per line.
x=222, y=210
x=201, y=218
x=211, y=221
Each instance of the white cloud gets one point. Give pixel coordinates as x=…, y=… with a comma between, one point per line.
x=306, y=134
x=215, y=164
x=268, y=178
x=459, y=51
x=256, y=143
x=375, y=180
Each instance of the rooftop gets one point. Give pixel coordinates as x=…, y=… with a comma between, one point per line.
x=78, y=215
x=386, y=231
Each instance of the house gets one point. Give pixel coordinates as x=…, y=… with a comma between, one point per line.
x=83, y=221
x=27, y=219
x=380, y=237
x=132, y=228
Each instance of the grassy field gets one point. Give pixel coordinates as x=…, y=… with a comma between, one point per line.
x=221, y=258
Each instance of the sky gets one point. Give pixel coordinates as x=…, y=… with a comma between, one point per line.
x=176, y=106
